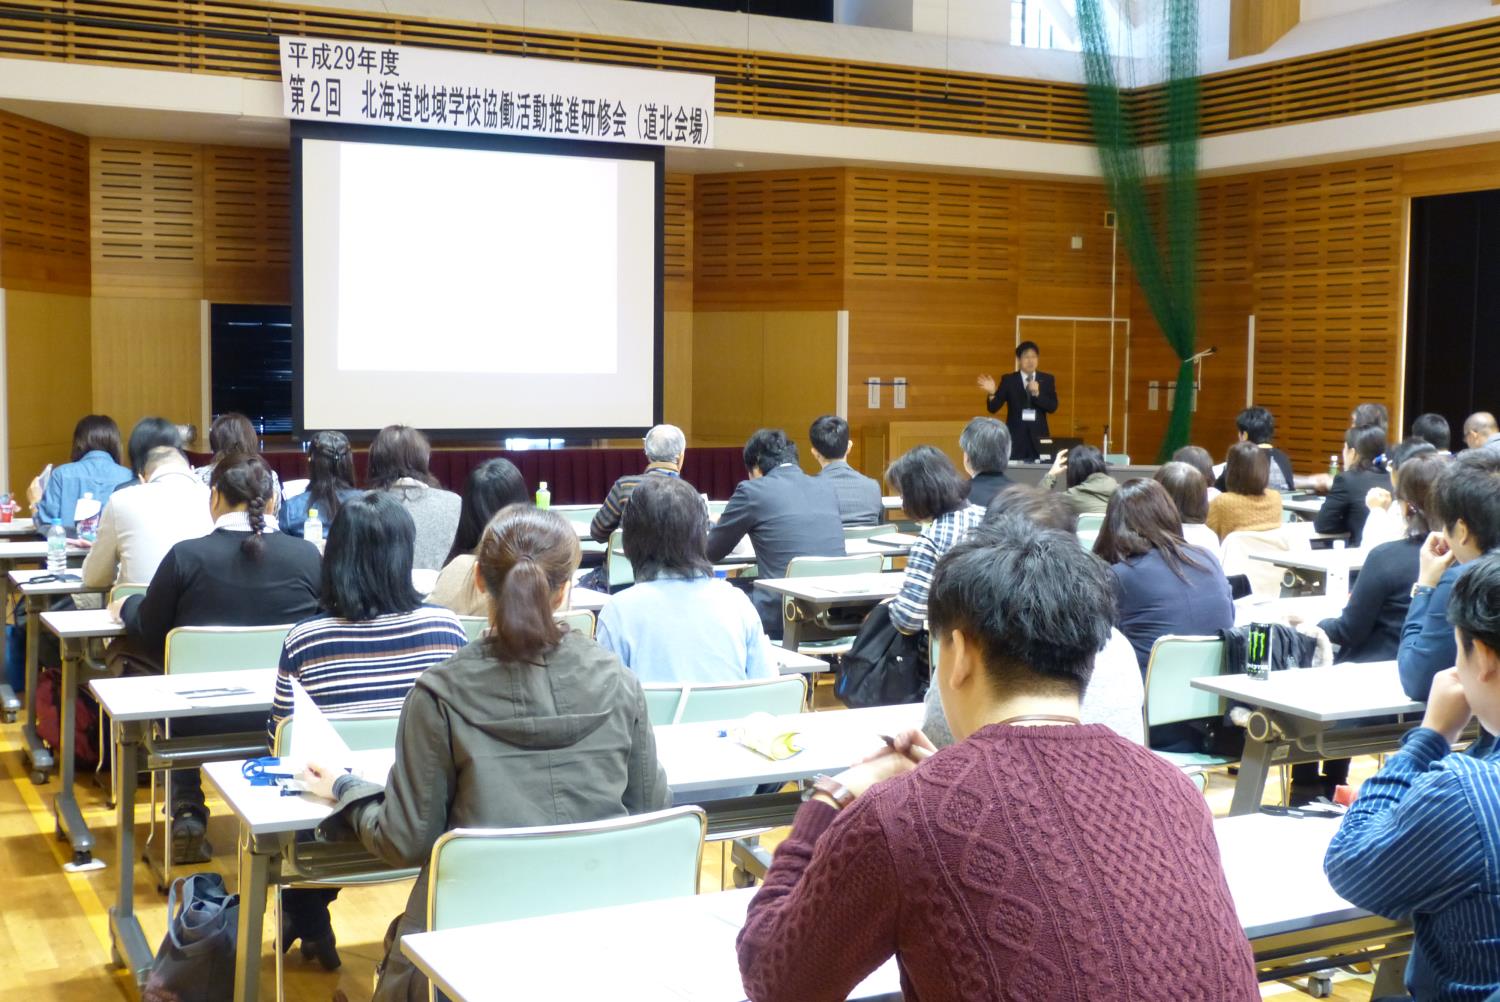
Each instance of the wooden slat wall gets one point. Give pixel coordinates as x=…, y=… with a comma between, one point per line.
x=677, y=305
x=146, y=218
x=44, y=201
x=247, y=225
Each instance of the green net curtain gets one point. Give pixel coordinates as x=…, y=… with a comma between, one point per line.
x=1164, y=256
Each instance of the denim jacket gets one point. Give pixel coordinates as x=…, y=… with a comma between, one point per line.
x=96, y=473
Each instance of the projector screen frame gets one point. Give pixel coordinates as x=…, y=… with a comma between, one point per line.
x=336, y=132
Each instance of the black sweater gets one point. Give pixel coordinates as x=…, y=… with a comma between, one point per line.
x=211, y=581
x=1344, y=510
x=1370, y=627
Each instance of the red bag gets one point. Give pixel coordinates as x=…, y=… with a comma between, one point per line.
x=85, y=719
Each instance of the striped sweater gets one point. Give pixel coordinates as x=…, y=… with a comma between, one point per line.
x=350, y=667
x=1422, y=842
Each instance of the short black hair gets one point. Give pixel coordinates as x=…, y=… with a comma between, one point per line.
x=1258, y=424
x=1474, y=607
x=492, y=485
x=986, y=442
x=1469, y=489
x=1184, y=485
x=829, y=435
x=368, y=558
x=1038, y=605
x=665, y=530
x=928, y=483
x=1368, y=414
x=1032, y=506
x=1083, y=462
x=1026, y=346
x=150, y=433
x=1368, y=442
x=767, y=449
x=1433, y=429
x=1408, y=449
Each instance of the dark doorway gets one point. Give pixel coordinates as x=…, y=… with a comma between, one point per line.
x=251, y=354
x=1453, y=307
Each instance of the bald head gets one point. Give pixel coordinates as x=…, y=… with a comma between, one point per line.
x=1478, y=427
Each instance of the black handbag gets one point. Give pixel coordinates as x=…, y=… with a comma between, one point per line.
x=885, y=666
x=195, y=962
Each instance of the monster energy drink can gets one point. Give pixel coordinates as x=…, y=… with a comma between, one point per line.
x=1258, y=651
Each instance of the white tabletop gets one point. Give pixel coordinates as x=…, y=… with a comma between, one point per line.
x=1316, y=560
x=1303, y=506
x=1310, y=608
x=34, y=549
x=265, y=811
x=1333, y=693
x=891, y=501
x=17, y=527
x=22, y=580
x=684, y=948
x=792, y=663
x=73, y=624
x=836, y=586
x=587, y=598
x=200, y=694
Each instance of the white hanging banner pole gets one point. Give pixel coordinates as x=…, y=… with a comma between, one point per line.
x=361, y=83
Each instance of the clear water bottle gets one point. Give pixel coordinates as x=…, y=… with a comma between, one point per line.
x=57, y=549
x=1333, y=465
x=543, y=496
x=312, y=531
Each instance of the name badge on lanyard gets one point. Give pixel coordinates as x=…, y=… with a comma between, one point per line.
x=1029, y=414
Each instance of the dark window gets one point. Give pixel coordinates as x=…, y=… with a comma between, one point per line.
x=252, y=364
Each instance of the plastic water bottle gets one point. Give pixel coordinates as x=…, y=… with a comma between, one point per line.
x=312, y=531
x=543, y=496
x=1333, y=465
x=1338, y=574
x=57, y=549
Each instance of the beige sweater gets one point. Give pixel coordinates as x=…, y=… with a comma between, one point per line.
x=1231, y=512
x=455, y=588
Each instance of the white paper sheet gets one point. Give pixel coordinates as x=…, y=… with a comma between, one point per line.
x=313, y=737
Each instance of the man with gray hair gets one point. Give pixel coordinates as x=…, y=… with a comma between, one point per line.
x=986, y=447
x=1480, y=431
x=665, y=448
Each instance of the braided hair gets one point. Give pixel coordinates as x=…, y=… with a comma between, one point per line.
x=243, y=478
x=330, y=467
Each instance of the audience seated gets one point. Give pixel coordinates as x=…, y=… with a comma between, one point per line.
x=1480, y=431
x=786, y=514
x=243, y=573
x=1115, y=691
x=1162, y=585
x=360, y=655
x=1257, y=426
x=232, y=432
x=1419, y=842
x=141, y=523
x=1247, y=504
x=94, y=469
x=1344, y=509
x=666, y=447
x=1189, y=494
x=1387, y=519
x=1007, y=865
x=1434, y=430
x=1466, y=505
x=398, y=464
x=149, y=433
x=860, y=501
x=1089, y=485
x=1199, y=459
x=933, y=493
x=330, y=482
x=533, y=725
x=492, y=485
x=679, y=623
x=985, y=443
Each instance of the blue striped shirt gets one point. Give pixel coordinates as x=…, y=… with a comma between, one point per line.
x=350, y=667
x=1422, y=842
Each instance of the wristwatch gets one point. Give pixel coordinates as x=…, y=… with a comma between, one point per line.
x=1420, y=589
x=831, y=788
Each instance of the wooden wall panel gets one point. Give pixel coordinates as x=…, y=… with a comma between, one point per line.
x=47, y=378
x=146, y=216
x=247, y=225
x=44, y=200
x=677, y=242
x=148, y=356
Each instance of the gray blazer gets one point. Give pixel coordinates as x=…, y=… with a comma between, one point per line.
x=859, y=496
x=786, y=514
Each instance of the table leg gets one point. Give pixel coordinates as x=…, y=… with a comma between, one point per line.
x=10, y=703
x=40, y=757
x=1250, y=787
x=255, y=871
x=127, y=943
x=65, y=806
x=791, y=629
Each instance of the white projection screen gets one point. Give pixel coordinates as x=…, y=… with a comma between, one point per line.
x=475, y=285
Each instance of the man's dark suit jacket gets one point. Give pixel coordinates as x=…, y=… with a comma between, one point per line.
x=984, y=487
x=1025, y=436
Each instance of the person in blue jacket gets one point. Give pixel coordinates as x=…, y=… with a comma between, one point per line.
x=93, y=469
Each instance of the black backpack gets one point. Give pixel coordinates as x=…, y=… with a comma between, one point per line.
x=885, y=667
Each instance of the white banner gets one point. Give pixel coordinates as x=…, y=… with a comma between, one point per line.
x=360, y=83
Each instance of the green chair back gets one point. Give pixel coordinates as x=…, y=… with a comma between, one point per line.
x=716, y=508
x=581, y=620
x=865, y=531
x=494, y=875
x=366, y=732
x=474, y=626
x=686, y=703
x=1175, y=661
x=192, y=649
x=1091, y=521
x=1087, y=538
x=616, y=568
x=811, y=567
x=120, y=591
x=1117, y=458
x=578, y=514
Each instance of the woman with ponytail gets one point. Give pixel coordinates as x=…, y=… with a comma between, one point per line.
x=532, y=724
x=244, y=573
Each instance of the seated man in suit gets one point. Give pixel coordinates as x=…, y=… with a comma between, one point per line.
x=859, y=496
x=1028, y=396
x=986, y=447
x=785, y=512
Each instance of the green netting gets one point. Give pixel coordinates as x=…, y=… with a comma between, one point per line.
x=1164, y=255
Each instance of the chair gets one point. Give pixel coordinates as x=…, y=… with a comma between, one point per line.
x=581, y=620
x=1117, y=458
x=496, y=874
x=617, y=569
x=835, y=636
x=865, y=531
x=1175, y=662
x=474, y=626
x=1091, y=521
x=1266, y=579
x=716, y=508
x=120, y=591
x=689, y=703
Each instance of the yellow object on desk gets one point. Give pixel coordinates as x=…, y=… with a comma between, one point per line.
x=758, y=732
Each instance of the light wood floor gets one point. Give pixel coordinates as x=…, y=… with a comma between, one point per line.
x=54, y=932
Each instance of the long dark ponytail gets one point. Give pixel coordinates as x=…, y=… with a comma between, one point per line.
x=525, y=555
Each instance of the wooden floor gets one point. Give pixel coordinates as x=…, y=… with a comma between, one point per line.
x=54, y=932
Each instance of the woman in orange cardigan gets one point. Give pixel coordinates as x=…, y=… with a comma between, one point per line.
x=1246, y=504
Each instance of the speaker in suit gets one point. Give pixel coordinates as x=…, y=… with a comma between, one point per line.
x=1015, y=395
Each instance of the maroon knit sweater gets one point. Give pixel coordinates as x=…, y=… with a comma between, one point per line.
x=1026, y=863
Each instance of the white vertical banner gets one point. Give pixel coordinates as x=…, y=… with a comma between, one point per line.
x=361, y=83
